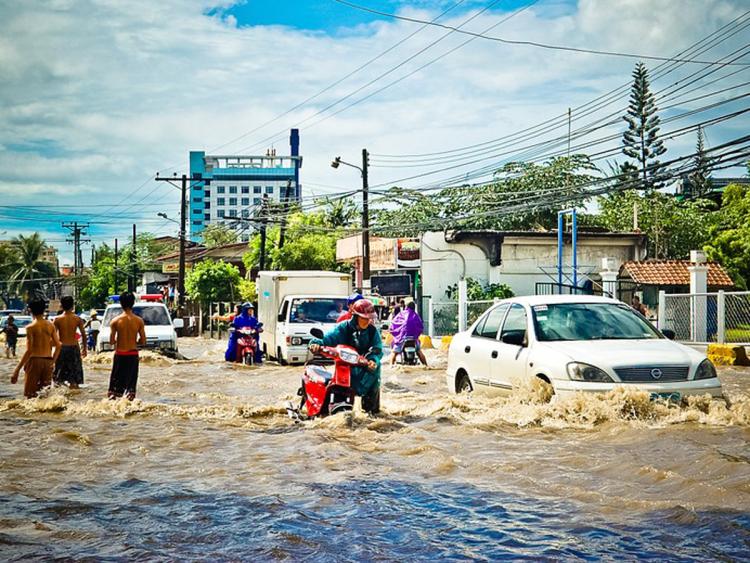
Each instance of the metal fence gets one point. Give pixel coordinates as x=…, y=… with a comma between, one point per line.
x=722, y=317
x=444, y=317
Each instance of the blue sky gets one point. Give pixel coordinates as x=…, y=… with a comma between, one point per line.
x=98, y=96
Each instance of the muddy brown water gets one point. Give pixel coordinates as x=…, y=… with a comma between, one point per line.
x=206, y=465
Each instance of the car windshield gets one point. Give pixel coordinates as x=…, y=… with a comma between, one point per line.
x=152, y=316
x=317, y=310
x=19, y=322
x=590, y=321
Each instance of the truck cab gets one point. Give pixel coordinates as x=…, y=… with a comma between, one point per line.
x=291, y=303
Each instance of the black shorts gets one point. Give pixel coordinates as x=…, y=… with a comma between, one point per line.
x=69, y=368
x=124, y=377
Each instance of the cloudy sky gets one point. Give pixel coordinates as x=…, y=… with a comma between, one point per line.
x=98, y=95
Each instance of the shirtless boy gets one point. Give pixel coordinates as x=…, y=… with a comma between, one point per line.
x=38, y=361
x=127, y=331
x=68, y=367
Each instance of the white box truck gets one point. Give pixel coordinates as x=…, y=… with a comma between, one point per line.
x=293, y=302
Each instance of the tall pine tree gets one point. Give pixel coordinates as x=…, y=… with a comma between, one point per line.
x=700, y=179
x=641, y=139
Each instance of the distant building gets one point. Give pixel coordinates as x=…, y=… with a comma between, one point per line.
x=228, y=188
x=684, y=187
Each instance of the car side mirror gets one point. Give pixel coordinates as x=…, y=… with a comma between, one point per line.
x=316, y=332
x=514, y=338
x=669, y=333
x=281, y=317
x=178, y=323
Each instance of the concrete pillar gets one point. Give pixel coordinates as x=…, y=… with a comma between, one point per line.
x=698, y=298
x=431, y=318
x=661, y=315
x=462, y=305
x=609, y=275
x=721, y=315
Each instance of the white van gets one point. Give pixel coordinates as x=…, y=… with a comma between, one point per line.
x=293, y=302
x=160, y=328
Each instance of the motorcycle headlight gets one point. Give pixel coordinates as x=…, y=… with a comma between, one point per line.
x=348, y=356
x=706, y=370
x=586, y=372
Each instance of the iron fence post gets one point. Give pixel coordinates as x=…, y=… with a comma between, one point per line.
x=720, y=317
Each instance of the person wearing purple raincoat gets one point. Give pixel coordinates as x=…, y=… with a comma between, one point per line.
x=406, y=324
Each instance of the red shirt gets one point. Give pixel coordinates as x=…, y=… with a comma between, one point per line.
x=345, y=316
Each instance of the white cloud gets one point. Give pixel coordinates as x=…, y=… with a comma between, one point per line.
x=127, y=88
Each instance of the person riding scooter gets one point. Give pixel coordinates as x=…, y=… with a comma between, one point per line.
x=360, y=333
x=407, y=326
x=244, y=320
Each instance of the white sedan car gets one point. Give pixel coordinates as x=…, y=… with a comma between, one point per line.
x=575, y=343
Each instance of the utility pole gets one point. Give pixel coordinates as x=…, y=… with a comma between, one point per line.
x=76, y=230
x=116, y=272
x=365, y=219
x=133, y=264
x=183, y=235
x=282, y=227
x=263, y=221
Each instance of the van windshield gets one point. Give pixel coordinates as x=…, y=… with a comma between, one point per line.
x=317, y=310
x=152, y=316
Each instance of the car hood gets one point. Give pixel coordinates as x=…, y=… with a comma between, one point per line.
x=152, y=331
x=620, y=353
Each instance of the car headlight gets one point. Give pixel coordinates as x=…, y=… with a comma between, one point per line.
x=585, y=372
x=706, y=370
x=296, y=341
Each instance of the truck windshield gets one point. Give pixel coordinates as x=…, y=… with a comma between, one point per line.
x=317, y=310
x=152, y=316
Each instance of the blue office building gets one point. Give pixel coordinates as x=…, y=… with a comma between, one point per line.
x=226, y=189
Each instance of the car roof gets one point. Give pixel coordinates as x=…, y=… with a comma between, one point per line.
x=553, y=299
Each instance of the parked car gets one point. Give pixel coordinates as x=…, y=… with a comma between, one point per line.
x=22, y=321
x=575, y=343
x=160, y=328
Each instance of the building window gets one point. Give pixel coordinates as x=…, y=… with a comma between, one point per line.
x=207, y=193
x=269, y=189
x=233, y=213
x=245, y=201
x=195, y=187
x=246, y=213
x=197, y=200
x=257, y=189
x=232, y=189
x=256, y=201
x=245, y=189
x=197, y=211
x=232, y=201
x=197, y=222
x=219, y=189
x=207, y=205
x=219, y=201
x=207, y=217
x=220, y=213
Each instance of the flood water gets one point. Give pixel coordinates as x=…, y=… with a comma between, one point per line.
x=205, y=465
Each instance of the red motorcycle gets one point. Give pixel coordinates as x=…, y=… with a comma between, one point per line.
x=247, y=344
x=323, y=393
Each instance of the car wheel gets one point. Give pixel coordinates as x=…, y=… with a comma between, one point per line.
x=463, y=383
x=279, y=357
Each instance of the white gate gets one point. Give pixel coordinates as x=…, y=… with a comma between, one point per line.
x=722, y=317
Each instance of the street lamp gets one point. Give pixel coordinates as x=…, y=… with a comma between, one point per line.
x=164, y=216
x=365, y=211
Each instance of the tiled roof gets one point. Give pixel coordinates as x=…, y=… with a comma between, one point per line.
x=672, y=272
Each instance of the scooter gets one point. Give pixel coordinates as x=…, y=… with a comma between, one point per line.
x=247, y=344
x=409, y=352
x=323, y=393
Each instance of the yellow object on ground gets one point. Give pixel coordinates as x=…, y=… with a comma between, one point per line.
x=727, y=355
x=445, y=342
x=425, y=341
x=388, y=338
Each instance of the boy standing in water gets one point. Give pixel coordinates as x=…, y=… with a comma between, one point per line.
x=127, y=331
x=69, y=368
x=11, y=337
x=38, y=361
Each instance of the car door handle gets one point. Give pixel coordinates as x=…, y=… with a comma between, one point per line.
x=494, y=354
x=467, y=349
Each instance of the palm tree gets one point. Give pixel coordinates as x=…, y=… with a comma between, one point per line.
x=27, y=263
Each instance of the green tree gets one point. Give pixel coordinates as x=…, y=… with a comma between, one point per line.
x=729, y=238
x=521, y=196
x=100, y=282
x=641, y=139
x=27, y=265
x=211, y=281
x=218, y=235
x=475, y=291
x=700, y=179
x=673, y=228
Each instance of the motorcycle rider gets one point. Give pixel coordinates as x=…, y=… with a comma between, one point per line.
x=360, y=333
x=244, y=320
x=406, y=324
x=351, y=300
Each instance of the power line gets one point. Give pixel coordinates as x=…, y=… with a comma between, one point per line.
x=530, y=43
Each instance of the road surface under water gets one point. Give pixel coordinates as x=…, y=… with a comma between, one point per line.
x=206, y=465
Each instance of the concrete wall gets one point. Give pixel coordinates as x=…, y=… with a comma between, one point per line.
x=522, y=257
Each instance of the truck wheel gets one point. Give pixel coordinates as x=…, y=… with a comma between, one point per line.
x=280, y=358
